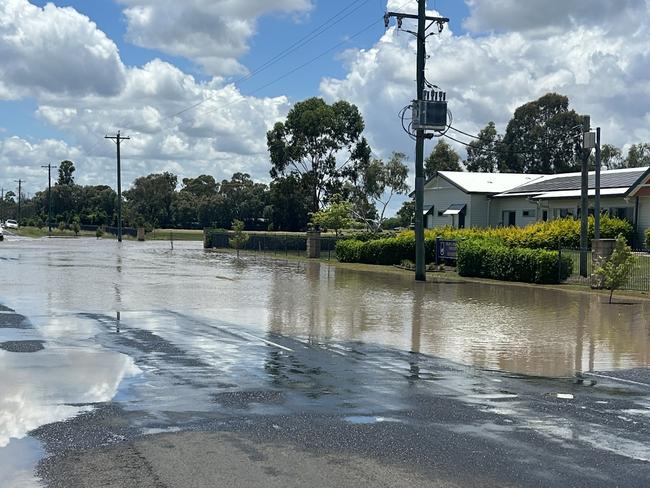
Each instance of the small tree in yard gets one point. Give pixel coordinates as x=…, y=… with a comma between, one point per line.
x=239, y=237
x=76, y=226
x=614, y=271
x=335, y=217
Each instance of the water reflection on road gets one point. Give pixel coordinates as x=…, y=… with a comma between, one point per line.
x=519, y=329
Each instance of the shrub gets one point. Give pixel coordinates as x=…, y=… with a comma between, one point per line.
x=489, y=259
x=647, y=240
x=349, y=250
x=614, y=271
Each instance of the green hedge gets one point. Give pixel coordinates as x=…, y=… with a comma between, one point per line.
x=489, y=259
x=387, y=251
x=539, y=235
x=647, y=240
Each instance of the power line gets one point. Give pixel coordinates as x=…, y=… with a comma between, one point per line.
x=306, y=39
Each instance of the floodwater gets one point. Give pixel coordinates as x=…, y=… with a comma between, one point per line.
x=87, y=322
x=518, y=329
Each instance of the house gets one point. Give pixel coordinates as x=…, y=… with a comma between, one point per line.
x=463, y=199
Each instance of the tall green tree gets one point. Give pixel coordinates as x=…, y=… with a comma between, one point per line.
x=150, y=198
x=612, y=157
x=442, y=158
x=540, y=137
x=406, y=213
x=378, y=183
x=483, y=154
x=638, y=155
x=66, y=173
x=320, y=142
x=290, y=201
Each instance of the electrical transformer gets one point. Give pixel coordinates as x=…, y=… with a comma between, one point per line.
x=430, y=113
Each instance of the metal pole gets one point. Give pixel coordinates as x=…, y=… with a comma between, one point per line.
x=420, y=270
x=584, y=216
x=597, y=200
x=119, y=191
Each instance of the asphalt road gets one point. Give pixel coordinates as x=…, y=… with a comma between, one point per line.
x=276, y=411
x=170, y=392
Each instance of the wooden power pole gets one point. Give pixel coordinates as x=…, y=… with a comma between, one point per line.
x=117, y=139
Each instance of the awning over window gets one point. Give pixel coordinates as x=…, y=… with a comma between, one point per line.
x=454, y=209
x=427, y=211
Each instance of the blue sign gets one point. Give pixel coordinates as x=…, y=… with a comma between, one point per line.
x=446, y=249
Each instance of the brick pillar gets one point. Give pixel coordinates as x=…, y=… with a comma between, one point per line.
x=313, y=244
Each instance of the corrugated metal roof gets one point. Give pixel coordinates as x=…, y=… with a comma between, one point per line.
x=485, y=182
x=617, y=178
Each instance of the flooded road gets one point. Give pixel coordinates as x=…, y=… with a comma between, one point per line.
x=517, y=329
x=104, y=346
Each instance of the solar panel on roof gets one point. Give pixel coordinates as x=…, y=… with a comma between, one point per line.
x=573, y=182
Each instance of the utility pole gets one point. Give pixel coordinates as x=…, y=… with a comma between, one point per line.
x=2, y=206
x=597, y=199
x=421, y=35
x=20, y=196
x=117, y=139
x=584, y=196
x=49, y=197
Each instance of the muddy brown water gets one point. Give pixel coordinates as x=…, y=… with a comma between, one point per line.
x=512, y=328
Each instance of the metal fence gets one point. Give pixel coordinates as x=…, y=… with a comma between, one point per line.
x=638, y=280
x=127, y=231
x=277, y=244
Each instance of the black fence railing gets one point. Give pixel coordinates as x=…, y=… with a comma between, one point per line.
x=638, y=279
x=109, y=229
x=277, y=243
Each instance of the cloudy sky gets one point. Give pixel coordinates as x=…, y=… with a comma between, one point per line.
x=197, y=83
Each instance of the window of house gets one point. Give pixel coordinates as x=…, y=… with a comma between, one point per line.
x=563, y=213
x=530, y=213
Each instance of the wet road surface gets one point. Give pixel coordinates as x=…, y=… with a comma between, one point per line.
x=138, y=366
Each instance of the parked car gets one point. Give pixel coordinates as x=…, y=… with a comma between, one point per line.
x=11, y=224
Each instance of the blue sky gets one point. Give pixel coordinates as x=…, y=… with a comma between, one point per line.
x=70, y=75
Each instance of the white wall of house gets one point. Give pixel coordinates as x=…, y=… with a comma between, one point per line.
x=478, y=211
x=525, y=211
x=440, y=194
x=644, y=216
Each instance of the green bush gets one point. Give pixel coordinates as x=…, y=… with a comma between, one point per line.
x=386, y=251
x=647, y=240
x=539, y=235
x=489, y=259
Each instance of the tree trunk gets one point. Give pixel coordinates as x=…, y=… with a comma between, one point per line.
x=611, y=292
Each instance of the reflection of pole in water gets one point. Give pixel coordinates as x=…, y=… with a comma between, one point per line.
x=117, y=321
x=580, y=331
x=416, y=318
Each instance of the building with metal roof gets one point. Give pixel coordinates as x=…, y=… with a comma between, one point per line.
x=464, y=199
